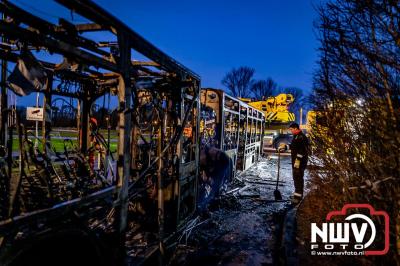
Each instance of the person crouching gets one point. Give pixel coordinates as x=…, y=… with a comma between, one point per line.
x=215, y=171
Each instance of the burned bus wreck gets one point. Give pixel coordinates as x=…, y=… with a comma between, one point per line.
x=251, y=131
x=219, y=121
x=115, y=189
x=232, y=126
x=88, y=202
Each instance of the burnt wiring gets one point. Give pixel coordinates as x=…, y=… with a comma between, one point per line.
x=46, y=179
x=175, y=138
x=75, y=184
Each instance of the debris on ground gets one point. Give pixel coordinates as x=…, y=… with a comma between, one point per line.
x=245, y=225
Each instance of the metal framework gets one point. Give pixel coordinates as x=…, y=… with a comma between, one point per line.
x=158, y=103
x=250, y=136
x=236, y=127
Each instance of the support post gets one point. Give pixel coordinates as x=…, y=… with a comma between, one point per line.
x=3, y=99
x=84, y=125
x=37, y=122
x=124, y=145
x=79, y=121
x=46, y=123
x=160, y=183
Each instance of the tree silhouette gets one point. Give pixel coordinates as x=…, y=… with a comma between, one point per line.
x=239, y=81
x=357, y=95
x=300, y=100
x=263, y=89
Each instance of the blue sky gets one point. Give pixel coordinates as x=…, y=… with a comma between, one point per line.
x=276, y=37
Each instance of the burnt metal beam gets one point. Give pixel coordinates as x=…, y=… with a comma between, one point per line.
x=58, y=32
x=92, y=74
x=84, y=130
x=149, y=63
x=137, y=65
x=3, y=104
x=79, y=121
x=94, y=12
x=3, y=97
x=124, y=141
x=46, y=122
x=45, y=27
x=65, y=208
x=12, y=57
x=87, y=27
x=58, y=46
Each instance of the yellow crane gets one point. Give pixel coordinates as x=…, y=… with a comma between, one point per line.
x=277, y=118
x=275, y=108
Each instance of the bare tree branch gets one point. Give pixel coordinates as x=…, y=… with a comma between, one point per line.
x=263, y=89
x=239, y=81
x=357, y=93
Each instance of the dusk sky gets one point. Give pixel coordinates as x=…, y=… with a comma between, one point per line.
x=276, y=38
x=210, y=37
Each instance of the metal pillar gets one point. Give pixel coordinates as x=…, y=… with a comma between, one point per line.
x=37, y=122
x=124, y=145
x=160, y=183
x=3, y=99
x=78, y=121
x=46, y=123
x=84, y=125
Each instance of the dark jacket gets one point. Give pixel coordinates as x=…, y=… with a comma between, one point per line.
x=300, y=149
x=216, y=164
x=217, y=167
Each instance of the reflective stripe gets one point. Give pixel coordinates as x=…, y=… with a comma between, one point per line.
x=271, y=115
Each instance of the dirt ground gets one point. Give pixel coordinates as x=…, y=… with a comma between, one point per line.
x=243, y=227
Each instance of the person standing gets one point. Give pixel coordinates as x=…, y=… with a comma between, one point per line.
x=299, y=148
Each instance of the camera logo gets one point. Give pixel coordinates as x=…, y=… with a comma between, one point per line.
x=364, y=232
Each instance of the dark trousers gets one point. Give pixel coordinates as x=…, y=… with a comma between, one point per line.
x=298, y=178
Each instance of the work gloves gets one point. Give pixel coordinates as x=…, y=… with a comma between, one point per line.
x=297, y=161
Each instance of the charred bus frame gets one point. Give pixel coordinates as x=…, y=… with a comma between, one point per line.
x=162, y=151
x=238, y=127
x=250, y=136
x=225, y=123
